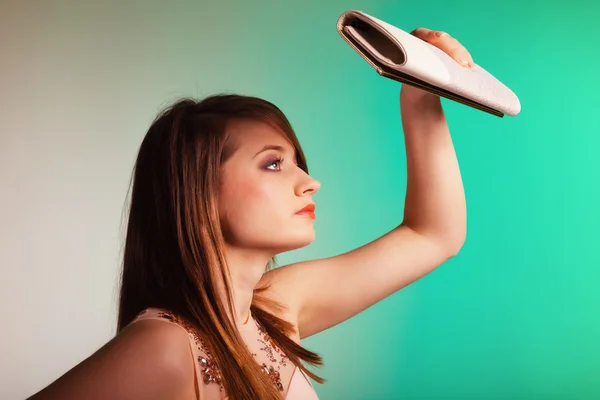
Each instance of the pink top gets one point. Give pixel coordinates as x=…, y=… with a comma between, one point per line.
x=290, y=379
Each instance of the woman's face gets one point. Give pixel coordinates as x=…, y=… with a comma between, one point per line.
x=262, y=189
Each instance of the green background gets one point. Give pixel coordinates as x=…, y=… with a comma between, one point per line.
x=515, y=315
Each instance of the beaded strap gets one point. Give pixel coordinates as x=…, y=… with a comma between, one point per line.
x=208, y=367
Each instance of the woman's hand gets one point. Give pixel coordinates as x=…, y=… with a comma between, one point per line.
x=447, y=44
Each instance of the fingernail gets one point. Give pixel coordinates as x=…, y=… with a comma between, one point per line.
x=440, y=34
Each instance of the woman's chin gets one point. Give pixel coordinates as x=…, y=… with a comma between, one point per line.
x=300, y=241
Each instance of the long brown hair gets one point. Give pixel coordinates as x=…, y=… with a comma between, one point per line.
x=174, y=247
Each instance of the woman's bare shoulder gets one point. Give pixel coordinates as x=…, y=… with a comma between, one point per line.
x=149, y=359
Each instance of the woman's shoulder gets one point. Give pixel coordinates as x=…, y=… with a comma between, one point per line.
x=200, y=363
x=168, y=322
x=150, y=325
x=147, y=359
x=168, y=341
x=159, y=327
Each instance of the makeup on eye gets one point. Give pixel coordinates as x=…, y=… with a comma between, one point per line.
x=277, y=160
x=273, y=161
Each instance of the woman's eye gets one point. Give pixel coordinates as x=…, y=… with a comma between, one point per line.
x=275, y=165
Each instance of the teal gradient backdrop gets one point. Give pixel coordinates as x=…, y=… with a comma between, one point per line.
x=516, y=314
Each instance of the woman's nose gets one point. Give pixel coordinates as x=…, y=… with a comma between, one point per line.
x=309, y=185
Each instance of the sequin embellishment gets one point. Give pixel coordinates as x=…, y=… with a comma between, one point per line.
x=210, y=370
x=270, y=348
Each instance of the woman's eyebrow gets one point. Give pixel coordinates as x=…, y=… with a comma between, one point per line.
x=273, y=147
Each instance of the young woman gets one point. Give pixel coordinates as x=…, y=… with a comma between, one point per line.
x=220, y=187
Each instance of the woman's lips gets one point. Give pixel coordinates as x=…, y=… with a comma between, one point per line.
x=308, y=210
